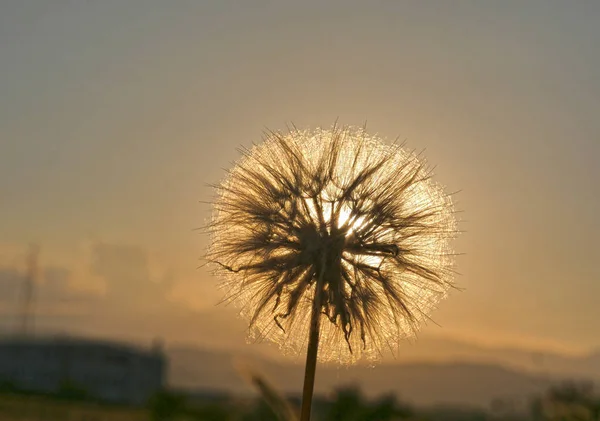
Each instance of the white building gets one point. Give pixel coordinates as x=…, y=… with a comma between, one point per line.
x=108, y=371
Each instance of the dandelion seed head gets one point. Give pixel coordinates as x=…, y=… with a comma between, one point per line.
x=343, y=201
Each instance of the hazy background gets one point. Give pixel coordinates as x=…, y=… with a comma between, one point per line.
x=115, y=114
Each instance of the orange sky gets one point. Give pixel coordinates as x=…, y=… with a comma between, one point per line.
x=114, y=117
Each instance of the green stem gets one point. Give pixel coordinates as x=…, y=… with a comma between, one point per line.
x=312, y=351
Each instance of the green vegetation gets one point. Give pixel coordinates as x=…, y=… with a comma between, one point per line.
x=349, y=405
x=71, y=391
x=566, y=402
x=166, y=406
x=21, y=407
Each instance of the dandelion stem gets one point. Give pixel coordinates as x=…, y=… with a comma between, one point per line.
x=313, y=348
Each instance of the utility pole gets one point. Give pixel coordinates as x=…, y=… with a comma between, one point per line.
x=27, y=315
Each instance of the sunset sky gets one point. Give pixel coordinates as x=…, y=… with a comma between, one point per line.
x=115, y=115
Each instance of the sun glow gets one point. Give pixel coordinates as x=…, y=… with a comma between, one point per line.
x=347, y=219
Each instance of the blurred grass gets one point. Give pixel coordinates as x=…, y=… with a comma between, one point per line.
x=567, y=401
x=36, y=408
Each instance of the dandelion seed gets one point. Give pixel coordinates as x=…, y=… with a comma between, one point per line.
x=332, y=241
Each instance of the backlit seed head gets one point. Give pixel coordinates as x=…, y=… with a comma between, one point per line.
x=366, y=210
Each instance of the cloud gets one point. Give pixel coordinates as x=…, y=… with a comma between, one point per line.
x=130, y=284
x=57, y=286
x=53, y=297
x=123, y=271
x=119, y=290
x=10, y=279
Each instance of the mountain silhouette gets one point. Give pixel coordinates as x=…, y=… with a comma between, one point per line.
x=421, y=383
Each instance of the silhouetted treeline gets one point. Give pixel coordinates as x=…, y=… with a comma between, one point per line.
x=574, y=401
x=565, y=402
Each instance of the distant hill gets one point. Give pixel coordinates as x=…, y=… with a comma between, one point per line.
x=465, y=383
x=428, y=370
x=543, y=362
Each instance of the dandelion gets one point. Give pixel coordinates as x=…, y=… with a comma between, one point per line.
x=332, y=243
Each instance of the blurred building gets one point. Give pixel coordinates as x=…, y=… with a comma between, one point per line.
x=111, y=372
